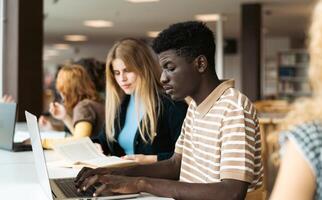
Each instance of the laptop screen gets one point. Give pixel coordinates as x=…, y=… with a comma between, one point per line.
x=40, y=161
x=38, y=152
x=7, y=124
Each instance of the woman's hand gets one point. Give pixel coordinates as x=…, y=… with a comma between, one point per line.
x=142, y=159
x=7, y=99
x=99, y=148
x=45, y=123
x=57, y=110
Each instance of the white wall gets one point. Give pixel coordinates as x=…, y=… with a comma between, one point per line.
x=232, y=69
x=273, y=45
x=74, y=53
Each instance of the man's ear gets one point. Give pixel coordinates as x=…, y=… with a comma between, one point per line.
x=201, y=63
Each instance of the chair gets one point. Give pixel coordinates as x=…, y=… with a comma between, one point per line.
x=259, y=194
x=272, y=106
x=270, y=113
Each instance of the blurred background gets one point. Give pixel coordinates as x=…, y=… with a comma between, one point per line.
x=96, y=24
x=261, y=44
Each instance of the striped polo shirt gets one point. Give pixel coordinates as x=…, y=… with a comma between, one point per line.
x=220, y=139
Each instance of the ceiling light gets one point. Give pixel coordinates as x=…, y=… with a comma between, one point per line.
x=61, y=46
x=207, y=17
x=75, y=38
x=142, y=1
x=153, y=34
x=98, y=23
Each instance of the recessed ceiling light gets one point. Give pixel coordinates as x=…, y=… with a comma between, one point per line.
x=153, y=34
x=207, y=17
x=75, y=38
x=61, y=46
x=142, y=1
x=98, y=23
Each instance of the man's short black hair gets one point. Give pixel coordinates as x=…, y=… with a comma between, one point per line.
x=189, y=39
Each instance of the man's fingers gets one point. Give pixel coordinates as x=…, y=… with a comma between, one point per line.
x=89, y=182
x=86, y=173
x=99, y=190
x=80, y=173
x=81, y=176
x=106, y=187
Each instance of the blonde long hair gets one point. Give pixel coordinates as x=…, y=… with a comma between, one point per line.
x=138, y=58
x=309, y=109
x=75, y=85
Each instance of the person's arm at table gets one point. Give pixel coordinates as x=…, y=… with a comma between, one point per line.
x=168, y=169
x=82, y=129
x=295, y=178
x=225, y=190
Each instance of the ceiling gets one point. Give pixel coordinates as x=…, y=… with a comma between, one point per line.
x=280, y=17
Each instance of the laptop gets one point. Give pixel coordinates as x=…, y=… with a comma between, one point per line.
x=63, y=188
x=7, y=128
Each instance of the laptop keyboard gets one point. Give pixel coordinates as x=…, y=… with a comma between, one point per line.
x=17, y=147
x=67, y=186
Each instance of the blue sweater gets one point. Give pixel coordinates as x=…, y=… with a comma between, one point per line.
x=127, y=134
x=169, y=125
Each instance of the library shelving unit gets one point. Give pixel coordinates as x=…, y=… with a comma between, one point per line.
x=292, y=80
x=269, y=80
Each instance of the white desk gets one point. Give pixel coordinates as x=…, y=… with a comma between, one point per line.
x=18, y=177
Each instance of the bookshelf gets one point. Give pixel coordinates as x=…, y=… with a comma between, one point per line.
x=292, y=80
x=269, y=77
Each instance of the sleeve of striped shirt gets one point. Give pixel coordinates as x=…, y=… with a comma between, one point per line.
x=238, y=145
x=179, y=143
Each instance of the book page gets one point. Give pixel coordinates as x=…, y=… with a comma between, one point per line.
x=79, y=150
x=107, y=161
x=83, y=152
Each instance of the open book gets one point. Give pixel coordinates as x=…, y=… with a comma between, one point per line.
x=84, y=153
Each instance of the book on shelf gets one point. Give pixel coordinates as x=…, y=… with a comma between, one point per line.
x=83, y=153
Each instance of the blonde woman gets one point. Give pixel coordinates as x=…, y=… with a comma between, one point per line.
x=142, y=123
x=300, y=174
x=82, y=110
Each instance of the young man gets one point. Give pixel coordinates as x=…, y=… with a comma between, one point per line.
x=218, y=154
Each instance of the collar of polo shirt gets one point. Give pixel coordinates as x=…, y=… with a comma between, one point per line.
x=212, y=98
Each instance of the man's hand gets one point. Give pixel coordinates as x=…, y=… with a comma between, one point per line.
x=86, y=173
x=112, y=184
